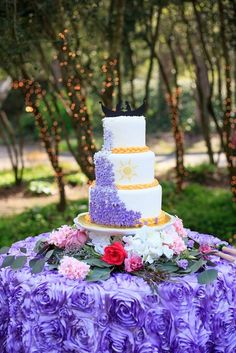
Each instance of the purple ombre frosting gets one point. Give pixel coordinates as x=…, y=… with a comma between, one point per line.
x=105, y=206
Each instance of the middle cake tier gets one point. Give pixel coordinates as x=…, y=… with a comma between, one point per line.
x=133, y=168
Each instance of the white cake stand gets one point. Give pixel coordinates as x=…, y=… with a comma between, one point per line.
x=82, y=221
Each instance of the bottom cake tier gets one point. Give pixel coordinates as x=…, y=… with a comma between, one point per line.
x=124, y=208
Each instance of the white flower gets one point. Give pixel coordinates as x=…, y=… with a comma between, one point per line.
x=150, y=244
x=100, y=242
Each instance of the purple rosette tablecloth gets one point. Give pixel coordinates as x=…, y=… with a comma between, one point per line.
x=49, y=313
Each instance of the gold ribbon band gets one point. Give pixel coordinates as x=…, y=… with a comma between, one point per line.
x=162, y=219
x=134, y=149
x=133, y=186
x=137, y=186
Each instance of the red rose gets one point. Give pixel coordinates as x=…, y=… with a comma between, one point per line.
x=114, y=254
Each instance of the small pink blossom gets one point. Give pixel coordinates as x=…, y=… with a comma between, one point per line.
x=178, y=224
x=133, y=263
x=73, y=268
x=178, y=245
x=205, y=249
x=67, y=237
x=76, y=239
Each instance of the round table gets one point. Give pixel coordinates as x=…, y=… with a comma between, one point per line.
x=48, y=313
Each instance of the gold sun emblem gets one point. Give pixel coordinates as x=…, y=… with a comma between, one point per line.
x=126, y=171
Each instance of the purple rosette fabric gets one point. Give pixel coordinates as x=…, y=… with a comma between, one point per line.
x=49, y=313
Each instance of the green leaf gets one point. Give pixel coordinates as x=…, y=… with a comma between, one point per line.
x=24, y=250
x=99, y=274
x=19, y=262
x=4, y=250
x=170, y=268
x=41, y=246
x=97, y=263
x=37, y=266
x=207, y=276
x=210, y=263
x=197, y=265
x=8, y=261
x=49, y=254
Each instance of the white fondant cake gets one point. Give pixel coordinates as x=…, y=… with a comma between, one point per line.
x=125, y=184
x=127, y=131
x=133, y=168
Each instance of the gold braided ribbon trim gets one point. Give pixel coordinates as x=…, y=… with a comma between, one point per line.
x=162, y=219
x=130, y=149
x=133, y=186
x=137, y=186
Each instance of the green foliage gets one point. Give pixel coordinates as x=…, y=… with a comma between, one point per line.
x=207, y=276
x=76, y=179
x=37, y=220
x=40, y=188
x=202, y=209
x=207, y=210
x=41, y=177
x=200, y=172
x=39, y=172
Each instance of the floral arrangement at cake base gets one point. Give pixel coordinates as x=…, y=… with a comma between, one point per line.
x=152, y=254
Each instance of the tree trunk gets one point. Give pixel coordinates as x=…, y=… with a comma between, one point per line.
x=152, y=44
x=62, y=195
x=112, y=68
x=14, y=147
x=173, y=102
x=203, y=91
x=228, y=125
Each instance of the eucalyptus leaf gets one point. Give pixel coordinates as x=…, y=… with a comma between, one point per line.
x=210, y=263
x=38, y=266
x=8, y=261
x=49, y=254
x=19, y=262
x=99, y=274
x=197, y=265
x=207, y=276
x=33, y=261
x=170, y=268
x=4, y=250
x=97, y=263
x=41, y=246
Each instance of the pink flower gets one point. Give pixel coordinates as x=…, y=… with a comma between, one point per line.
x=178, y=245
x=178, y=224
x=67, y=237
x=205, y=249
x=133, y=263
x=76, y=239
x=73, y=268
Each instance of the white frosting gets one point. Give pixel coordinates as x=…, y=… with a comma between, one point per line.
x=127, y=131
x=145, y=201
x=133, y=168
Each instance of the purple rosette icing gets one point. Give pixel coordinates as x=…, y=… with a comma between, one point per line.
x=105, y=206
x=49, y=313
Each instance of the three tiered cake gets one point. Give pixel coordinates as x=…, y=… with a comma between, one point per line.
x=125, y=193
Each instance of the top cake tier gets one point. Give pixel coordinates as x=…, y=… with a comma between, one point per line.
x=124, y=131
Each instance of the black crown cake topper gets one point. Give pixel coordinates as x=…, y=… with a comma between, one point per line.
x=120, y=112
